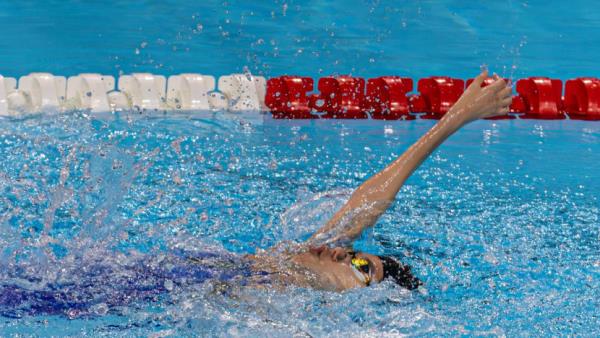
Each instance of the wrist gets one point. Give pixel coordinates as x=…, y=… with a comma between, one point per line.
x=456, y=117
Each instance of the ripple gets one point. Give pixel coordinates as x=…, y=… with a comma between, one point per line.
x=498, y=233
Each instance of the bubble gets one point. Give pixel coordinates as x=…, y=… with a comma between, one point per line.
x=100, y=309
x=284, y=9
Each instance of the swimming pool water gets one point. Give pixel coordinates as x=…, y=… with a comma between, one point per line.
x=501, y=224
x=362, y=37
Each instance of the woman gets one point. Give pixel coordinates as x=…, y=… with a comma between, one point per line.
x=98, y=282
x=316, y=264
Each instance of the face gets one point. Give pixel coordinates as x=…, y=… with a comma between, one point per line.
x=334, y=268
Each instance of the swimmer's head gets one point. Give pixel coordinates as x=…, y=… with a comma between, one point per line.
x=341, y=269
x=401, y=274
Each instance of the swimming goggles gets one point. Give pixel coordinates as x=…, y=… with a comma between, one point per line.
x=361, y=269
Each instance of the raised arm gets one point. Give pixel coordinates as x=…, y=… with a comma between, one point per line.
x=370, y=200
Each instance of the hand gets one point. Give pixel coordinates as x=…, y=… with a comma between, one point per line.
x=477, y=102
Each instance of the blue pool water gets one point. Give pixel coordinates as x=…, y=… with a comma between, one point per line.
x=501, y=224
x=274, y=37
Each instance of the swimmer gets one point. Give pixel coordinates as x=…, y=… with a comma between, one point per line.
x=327, y=257
x=88, y=284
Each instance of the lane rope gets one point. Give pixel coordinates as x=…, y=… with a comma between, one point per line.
x=290, y=97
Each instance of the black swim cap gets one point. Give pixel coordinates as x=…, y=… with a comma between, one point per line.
x=399, y=272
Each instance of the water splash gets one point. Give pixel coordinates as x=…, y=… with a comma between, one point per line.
x=490, y=230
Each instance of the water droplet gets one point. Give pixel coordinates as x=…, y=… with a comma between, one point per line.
x=100, y=309
x=169, y=285
x=284, y=9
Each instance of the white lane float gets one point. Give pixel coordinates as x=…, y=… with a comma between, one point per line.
x=144, y=90
x=118, y=101
x=7, y=86
x=89, y=91
x=218, y=101
x=190, y=91
x=245, y=92
x=40, y=92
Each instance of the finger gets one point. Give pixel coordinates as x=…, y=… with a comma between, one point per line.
x=480, y=78
x=499, y=84
x=505, y=92
x=499, y=112
x=506, y=102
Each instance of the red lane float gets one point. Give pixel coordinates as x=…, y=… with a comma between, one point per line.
x=539, y=98
x=436, y=96
x=287, y=97
x=386, y=97
x=341, y=97
x=582, y=98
